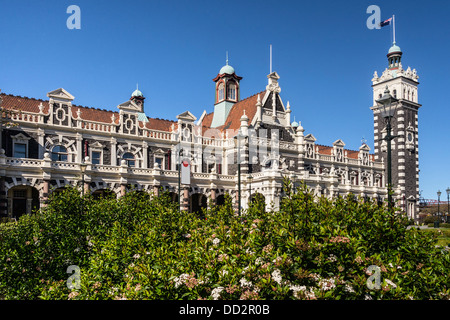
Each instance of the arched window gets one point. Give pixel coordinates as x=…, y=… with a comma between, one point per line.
x=221, y=91
x=59, y=153
x=129, y=158
x=412, y=96
x=395, y=93
x=231, y=92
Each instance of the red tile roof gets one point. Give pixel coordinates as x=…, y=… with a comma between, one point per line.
x=100, y=115
x=23, y=103
x=90, y=114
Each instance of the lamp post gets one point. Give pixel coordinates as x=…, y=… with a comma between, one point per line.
x=180, y=153
x=387, y=105
x=438, y=212
x=250, y=178
x=83, y=170
x=448, y=203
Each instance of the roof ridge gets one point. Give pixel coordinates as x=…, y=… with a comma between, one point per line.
x=24, y=97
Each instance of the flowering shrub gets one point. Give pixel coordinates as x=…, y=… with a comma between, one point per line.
x=136, y=247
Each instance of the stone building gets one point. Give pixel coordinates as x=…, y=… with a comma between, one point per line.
x=126, y=149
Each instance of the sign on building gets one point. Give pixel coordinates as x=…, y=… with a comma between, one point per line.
x=185, y=171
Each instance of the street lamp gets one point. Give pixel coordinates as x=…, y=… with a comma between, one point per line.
x=387, y=105
x=439, y=199
x=448, y=203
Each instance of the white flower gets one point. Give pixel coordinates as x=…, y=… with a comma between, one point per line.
x=181, y=280
x=223, y=273
x=259, y=261
x=136, y=256
x=327, y=284
x=332, y=258
x=296, y=288
x=389, y=282
x=349, y=288
x=245, y=283
x=216, y=241
x=367, y=297
x=276, y=275
x=315, y=276
x=249, y=251
x=309, y=294
x=390, y=265
x=215, y=294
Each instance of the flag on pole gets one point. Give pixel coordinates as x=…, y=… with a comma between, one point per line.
x=385, y=22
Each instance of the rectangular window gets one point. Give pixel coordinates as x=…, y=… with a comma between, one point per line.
x=96, y=157
x=20, y=150
x=159, y=161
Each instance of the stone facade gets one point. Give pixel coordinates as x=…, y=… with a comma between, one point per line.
x=126, y=149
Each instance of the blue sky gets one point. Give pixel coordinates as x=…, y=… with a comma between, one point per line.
x=322, y=50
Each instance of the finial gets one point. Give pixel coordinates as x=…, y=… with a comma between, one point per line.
x=227, y=58
x=363, y=141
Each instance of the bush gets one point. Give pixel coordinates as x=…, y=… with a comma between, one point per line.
x=430, y=219
x=135, y=247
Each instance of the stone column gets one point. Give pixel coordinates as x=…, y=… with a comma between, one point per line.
x=185, y=203
x=45, y=187
x=79, y=139
x=156, y=191
x=113, y=152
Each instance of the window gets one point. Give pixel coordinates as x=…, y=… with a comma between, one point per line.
x=231, y=94
x=159, y=161
x=395, y=93
x=59, y=153
x=96, y=157
x=129, y=158
x=221, y=91
x=20, y=150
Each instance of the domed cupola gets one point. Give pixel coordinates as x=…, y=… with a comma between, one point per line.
x=138, y=98
x=226, y=94
x=394, y=57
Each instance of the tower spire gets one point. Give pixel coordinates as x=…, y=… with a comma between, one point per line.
x=227, y=58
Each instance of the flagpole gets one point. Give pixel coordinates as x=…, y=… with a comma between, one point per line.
x=393, y=24
x=270, y=58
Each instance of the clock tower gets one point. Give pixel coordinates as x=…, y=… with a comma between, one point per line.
x=402, y=85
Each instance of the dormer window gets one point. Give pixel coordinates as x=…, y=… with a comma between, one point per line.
x=231, y=94
x=221, y=92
